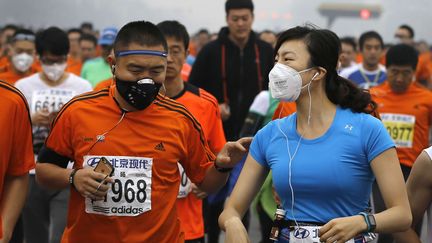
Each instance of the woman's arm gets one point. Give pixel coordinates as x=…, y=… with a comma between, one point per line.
x=249, y=183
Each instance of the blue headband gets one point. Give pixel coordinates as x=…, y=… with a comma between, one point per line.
x=141, y=52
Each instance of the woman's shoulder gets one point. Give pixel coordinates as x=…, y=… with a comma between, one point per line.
x=362, y=119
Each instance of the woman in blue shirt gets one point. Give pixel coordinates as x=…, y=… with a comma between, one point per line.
x=325, y=156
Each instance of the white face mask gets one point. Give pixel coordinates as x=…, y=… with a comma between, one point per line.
x=285, y=82
x=54, y=72
x=22, y=62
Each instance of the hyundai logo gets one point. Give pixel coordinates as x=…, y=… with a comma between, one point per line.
x=93, y=161
x=301, y=233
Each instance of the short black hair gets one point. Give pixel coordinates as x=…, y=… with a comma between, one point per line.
x=238, y=4
x=10, y=26
x=23, y=34
x=88, y=37
x=140, y=32
x=172, y=28
x=370, y=35
x=87, y=25
x=203, y=31
x=74, y=30
x=349, y=41
x=402, y=55
x=52, y=40
x=409, y=29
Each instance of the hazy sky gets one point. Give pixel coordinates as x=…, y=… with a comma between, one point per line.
x=196, y=14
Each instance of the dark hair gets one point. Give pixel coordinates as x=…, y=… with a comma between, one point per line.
x=401, y=55
x=349, y=41
x=9, y=26
x=238, y=4
x=88, y=37
x=52, y=40
x=370, y=35
x=409, y=29
x=87, y=25
x=140, y=32
x=75, y=30
x=203, y=31
x=172, y=28
x=324, y=48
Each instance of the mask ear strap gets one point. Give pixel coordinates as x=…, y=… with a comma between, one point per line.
x=315, y=75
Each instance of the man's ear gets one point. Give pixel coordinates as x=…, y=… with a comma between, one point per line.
x=112, y=62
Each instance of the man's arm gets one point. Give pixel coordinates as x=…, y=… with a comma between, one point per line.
x=419, y=188
x=15, y=192
x=229, y=156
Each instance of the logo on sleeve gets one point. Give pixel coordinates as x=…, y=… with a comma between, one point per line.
x=160, y=147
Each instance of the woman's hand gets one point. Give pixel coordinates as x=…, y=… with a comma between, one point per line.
x=342, y=229
x=235, y=232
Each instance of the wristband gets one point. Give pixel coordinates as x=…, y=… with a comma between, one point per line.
x=221, y=169
x=72, y=176
x=370, y=221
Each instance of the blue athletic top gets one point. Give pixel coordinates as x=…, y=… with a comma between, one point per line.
x=331, y=175
x=365, y=79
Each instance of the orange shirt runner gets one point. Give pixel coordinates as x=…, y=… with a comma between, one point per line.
x=104, y=84
x=407, y=117
x=10, y=76
x=204, y=107
x=16, y=157
x=144, y=148
x=74, y=66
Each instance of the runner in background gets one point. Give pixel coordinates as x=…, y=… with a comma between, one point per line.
x=269, y=37
x=143, y=135
x=406, y=110
x=22, y=54
x=88, y=44
x=348, y=53
x=16, y=158
x=74, y=62
x=204, y=107
x=405, y=34
x=98, y=69
x=234, y=69
x=370, y=72
x=5, y=37
x=44, y=214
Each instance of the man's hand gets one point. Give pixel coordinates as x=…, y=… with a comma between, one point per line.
x=233, y=152
x=198, y=192
x=92, y=184
x=41, y=118
x=224, y=111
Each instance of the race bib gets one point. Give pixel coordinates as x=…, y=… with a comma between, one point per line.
x=400, y=127
x=302, y=234
x=50, y=100
x=130, y=194
x=185, y=183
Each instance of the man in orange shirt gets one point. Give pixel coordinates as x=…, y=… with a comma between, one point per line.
x=205, y=108
x=144, y=136
x=74, y=63
x=405, y=108
x=16, y=157
x=21, y=57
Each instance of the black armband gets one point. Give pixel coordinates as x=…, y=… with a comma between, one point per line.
x=47, y=155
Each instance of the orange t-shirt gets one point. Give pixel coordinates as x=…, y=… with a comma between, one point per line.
x=10, y=76
x=407, y=117
x=16, y=157
x=423, y=71
x=104, y=84
x=74, y=66
x=185, y=72
x=144, y=149
x=204, y=107
x=284, y=109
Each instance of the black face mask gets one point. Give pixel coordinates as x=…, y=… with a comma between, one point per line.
x=139, y=94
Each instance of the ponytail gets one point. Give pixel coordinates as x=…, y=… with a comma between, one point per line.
x=344, y=93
